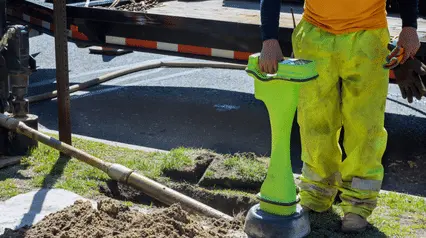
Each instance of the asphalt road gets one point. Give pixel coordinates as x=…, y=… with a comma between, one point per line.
x=210, y=108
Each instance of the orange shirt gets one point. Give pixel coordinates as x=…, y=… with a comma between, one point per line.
x=345, y=16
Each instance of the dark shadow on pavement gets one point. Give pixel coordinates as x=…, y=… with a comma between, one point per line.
x=42, y=74
x=49, y=87
x=107, y=58
x=223, y=121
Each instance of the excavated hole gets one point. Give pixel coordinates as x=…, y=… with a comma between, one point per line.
x=229, y=203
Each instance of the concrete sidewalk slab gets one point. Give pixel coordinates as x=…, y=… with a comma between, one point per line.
x=30, y=208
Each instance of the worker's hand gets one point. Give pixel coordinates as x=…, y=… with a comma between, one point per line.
x=409, y=40
x=270, y=56
x=409, y=79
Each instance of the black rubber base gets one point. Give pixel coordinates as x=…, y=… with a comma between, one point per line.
x=21, y=145
x=260, y=224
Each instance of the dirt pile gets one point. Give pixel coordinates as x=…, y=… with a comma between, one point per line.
x=112, y=219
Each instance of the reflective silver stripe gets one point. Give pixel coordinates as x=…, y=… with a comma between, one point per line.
x=369, y=203
x=308, y=173
x=316, y=189
x=364, y=184
x=334, y=179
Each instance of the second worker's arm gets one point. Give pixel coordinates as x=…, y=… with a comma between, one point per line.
x=269, y=26
x=269, y=19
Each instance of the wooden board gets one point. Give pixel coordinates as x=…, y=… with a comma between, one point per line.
x=248, y=12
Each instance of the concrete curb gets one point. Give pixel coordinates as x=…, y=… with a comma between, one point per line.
x=108, y=142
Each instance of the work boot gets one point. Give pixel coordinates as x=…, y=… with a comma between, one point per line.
x=352, y=222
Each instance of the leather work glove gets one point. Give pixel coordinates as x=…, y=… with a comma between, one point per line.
x=409, y=79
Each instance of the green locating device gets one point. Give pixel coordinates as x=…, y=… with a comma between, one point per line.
x=289, y=69
x=280, y=94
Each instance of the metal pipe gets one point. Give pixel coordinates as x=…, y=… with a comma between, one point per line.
x=117, y=172
x=143, y=66
x=61, y=52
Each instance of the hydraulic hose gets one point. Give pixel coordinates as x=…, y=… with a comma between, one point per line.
x=143, y=66
x=117, y=172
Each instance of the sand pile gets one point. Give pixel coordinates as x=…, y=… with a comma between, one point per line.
x=112, y=219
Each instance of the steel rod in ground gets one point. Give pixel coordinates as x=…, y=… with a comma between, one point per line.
x=117, y=172
x=62, y=77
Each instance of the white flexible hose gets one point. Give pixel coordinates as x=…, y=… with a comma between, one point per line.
x=143, y=66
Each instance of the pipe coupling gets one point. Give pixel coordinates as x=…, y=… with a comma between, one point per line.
x=119, y=172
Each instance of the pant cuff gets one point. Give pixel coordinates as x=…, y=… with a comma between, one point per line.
x=317, y=205
x=364, y=212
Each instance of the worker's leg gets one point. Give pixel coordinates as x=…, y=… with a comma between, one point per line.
x=319, y=118
x=364, y=91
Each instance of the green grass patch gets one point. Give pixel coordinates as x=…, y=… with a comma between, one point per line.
x=396, y=215
x=48, y=170
x=178, y=159
x=8, y=188
x=246, y=168
x=237, y=172
x=399, y=215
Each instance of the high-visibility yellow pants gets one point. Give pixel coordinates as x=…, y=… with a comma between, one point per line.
x=350, y=93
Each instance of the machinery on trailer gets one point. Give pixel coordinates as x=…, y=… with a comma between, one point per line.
x=16, y=65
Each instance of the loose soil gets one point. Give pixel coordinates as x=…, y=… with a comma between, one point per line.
x=112, y=219
x=231, y=204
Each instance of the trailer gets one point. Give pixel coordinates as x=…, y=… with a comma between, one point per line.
x=227, y=29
